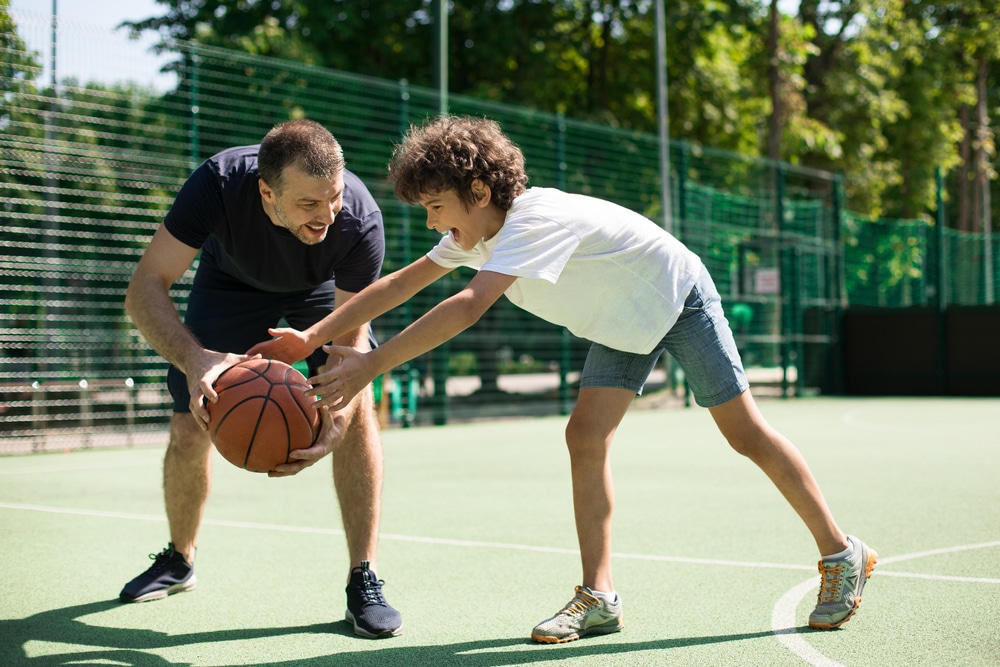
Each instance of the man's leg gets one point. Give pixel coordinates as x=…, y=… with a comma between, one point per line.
x=357, y=477
x=187, y=470
x=186, y=481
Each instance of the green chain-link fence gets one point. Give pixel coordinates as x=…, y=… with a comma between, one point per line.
x=87, y=172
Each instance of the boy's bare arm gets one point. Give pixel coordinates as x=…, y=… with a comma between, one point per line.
x=383, y=295
x=445, y=321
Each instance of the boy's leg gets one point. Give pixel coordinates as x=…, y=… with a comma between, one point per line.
x=591, y=428
x=746, y=430
x=589, y=433
x=846, y=562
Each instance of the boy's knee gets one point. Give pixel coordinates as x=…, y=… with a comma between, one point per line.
x=582, y=440
x=752, y=444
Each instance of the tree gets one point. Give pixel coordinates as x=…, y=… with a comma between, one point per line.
x=18, y=67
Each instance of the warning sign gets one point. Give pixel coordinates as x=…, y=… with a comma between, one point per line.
x=767, y=281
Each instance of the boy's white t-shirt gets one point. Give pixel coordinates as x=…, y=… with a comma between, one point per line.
x=606, y=273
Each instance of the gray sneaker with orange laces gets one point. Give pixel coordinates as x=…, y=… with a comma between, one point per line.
x=586, y=614
x=843, y=579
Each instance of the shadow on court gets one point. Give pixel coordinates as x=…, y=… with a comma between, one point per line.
x=133, y=647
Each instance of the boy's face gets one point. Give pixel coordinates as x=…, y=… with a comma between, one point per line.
x=468, y=225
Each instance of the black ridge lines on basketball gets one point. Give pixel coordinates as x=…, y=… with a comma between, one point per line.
x=289, y=383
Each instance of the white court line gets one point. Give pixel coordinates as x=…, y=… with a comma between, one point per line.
x=783, y=614
x=74, y=468
x=854, y=418
x=396, y=537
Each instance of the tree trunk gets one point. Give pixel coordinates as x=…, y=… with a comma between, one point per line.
x=983, y=141
x=962, y=222
x=776, y=119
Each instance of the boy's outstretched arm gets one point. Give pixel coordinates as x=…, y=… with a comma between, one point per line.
x=341, y=381
x=290, y=345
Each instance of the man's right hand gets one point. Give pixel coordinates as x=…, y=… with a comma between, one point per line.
x=288, y=345
x=209, y=367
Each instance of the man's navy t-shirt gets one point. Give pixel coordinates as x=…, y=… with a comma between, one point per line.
x=219, y=210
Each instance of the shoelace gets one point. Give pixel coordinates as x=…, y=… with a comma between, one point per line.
x=160, y=561
x=371, y=588
x=371, y=591
x=833, y=582
x=580, y=604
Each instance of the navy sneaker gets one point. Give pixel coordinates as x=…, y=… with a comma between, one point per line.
x=169, y=574
x=367, y=609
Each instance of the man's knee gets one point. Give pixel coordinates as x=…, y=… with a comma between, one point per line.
x=185, y=435
x=362, y=429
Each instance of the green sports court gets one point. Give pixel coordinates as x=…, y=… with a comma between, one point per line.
x=859, y=270
x=478, y=545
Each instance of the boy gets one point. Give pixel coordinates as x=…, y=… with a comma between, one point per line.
x=607, y=274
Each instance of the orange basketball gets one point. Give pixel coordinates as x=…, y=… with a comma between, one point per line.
x=262, y=414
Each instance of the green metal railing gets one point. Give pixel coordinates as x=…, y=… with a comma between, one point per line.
x=87, y=173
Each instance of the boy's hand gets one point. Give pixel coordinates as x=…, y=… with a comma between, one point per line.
x=332, y=428
x=345, y=375
x=288, y=345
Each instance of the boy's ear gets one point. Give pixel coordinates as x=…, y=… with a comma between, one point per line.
x=481, y=192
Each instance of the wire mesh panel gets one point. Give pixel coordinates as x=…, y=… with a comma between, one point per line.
x=87, y=171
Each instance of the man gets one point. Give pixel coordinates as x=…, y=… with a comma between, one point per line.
x=285, y=233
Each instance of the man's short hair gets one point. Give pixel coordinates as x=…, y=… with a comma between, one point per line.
x=303, y=143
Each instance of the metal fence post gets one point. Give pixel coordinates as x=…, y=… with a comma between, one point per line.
x=37, y=415
x=86, y=411
x=130, y=400
x=565, y=402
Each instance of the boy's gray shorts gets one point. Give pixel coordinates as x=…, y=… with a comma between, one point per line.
x=701, y=342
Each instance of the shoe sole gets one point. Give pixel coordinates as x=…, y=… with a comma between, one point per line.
x=596, y=630
x=869, y=568
x=361, y=632
x=182, y=587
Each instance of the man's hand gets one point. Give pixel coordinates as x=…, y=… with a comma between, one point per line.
x=333, y=426
x=345, y=375
x=288, y=345
x=201, y=381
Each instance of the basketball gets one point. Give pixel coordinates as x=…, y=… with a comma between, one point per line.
x=262, y=414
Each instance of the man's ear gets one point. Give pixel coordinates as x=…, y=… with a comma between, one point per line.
x=481, y=192
x=266, y=191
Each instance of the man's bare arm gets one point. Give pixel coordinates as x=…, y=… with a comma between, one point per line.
x=148, y=303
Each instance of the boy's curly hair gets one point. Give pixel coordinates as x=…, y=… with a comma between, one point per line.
x=449, y=152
